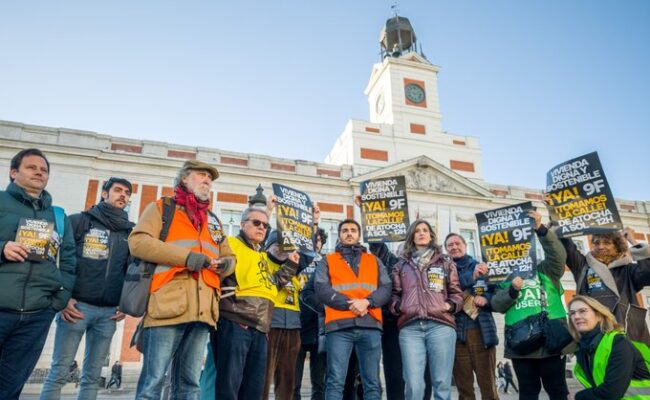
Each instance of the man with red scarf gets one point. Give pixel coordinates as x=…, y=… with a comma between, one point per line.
x=186, y=285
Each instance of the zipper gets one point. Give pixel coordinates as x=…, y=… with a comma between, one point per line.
x=29, y=275
x=110, y=254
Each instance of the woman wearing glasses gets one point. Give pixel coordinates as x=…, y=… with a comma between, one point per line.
x=609, y=365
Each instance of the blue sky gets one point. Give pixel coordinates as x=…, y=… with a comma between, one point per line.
x=538, y=82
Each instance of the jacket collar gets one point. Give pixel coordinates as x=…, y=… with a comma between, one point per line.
x=44, y=201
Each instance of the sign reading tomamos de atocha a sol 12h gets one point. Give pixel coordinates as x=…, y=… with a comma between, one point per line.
x=384, y=210
x=579, y=199
x=295, y=219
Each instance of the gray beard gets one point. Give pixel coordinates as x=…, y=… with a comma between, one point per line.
x=200, y=196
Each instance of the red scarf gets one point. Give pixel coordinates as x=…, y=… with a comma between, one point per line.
x=197, y=210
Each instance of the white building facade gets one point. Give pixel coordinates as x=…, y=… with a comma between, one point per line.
x=403, y=137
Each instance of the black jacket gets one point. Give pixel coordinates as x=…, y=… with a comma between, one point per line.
x=100, y=276
x=629, y=277
x=339, y=301
x=625, y=363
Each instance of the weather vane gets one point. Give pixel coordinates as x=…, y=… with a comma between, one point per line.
x=395, y=8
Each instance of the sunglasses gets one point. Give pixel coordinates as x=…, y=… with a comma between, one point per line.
x=257, y=223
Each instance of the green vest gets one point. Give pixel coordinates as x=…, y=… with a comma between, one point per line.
x=529, y=301
x=638, y=389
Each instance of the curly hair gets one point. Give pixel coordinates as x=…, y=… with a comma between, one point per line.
x=614, y=237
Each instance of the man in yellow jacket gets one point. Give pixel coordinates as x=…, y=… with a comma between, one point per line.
x=186, y=285
x=240, y=343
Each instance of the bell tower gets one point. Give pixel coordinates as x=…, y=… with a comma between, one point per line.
x=404, y=111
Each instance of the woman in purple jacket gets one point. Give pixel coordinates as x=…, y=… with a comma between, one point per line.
x=426, y=295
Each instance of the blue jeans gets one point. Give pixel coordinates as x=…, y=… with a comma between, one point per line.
x=22, y=337
x=422, y=342
x=182, y=345
x=99, y=330
x=240, y=355
x=367, y=345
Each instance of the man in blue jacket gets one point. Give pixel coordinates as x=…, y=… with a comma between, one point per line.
x=37, y=268
x=101, y=235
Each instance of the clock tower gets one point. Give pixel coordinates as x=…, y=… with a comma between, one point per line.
x=405, y=118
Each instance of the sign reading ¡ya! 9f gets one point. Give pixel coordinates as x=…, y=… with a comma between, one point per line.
x=579, y=199
x=384, y=210
x=295, y=219
x=508, y=242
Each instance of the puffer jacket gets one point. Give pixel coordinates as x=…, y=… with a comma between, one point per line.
x=30, y=285
x=413, y=300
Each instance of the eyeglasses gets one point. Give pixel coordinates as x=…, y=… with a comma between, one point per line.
x=257, y=223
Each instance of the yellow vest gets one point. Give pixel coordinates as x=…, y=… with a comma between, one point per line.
x=288, y=296
x=254, y=271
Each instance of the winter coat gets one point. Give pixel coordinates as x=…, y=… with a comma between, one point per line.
x=624, y=364
x=628, y=277
x=552, y=267
x=33, y=285
x=339, y=301
x=465, y=267
x=100, y=274
x=186, y=298
x=423, y=294
x=253, y=306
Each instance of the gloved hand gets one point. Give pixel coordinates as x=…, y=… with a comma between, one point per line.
x=196, y=261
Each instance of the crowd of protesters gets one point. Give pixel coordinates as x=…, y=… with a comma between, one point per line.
x=426, y=308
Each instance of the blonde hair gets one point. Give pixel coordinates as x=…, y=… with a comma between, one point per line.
x=607, y=321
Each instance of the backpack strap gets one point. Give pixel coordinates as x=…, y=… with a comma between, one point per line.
x=59, y=221
x=168, y=211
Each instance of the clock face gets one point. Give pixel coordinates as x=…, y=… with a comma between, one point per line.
x=379, y=106
x=414, y=93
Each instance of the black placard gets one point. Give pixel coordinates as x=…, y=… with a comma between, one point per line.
x=384, y=210
x=295, y=219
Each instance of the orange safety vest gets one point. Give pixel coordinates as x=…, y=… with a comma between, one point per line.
x=183, y=234
x=344, y=281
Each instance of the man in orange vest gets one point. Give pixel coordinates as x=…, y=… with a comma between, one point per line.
x=186, y=285
x=353, y=285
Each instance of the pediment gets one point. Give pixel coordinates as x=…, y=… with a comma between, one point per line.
x=426, y=175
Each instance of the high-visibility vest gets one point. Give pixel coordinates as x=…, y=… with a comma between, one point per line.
x=183, y=234
x=344, y=281
x=255, y=272
x=638, y=389
x=288, y=297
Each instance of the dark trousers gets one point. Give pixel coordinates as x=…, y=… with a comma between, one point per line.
x=317, y=368
x=473, y=358
x=240, y=359
x=115, y=380
x=392, y=360
x=532, y=373
x=509, y=381
x=22, y=337
x=284, y=345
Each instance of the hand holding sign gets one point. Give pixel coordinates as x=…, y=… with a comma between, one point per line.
x=15, y=251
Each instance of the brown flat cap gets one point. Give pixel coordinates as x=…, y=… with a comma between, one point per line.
x=196, y=164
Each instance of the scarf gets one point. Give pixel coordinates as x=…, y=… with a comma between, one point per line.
x=115, y=219
x=196, y=209
x=422, y=257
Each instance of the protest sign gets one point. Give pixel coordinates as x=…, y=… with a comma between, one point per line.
x=384, y=210
x=37, y=236
x=508, y=242
x=579, y=199
x=295, y=220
